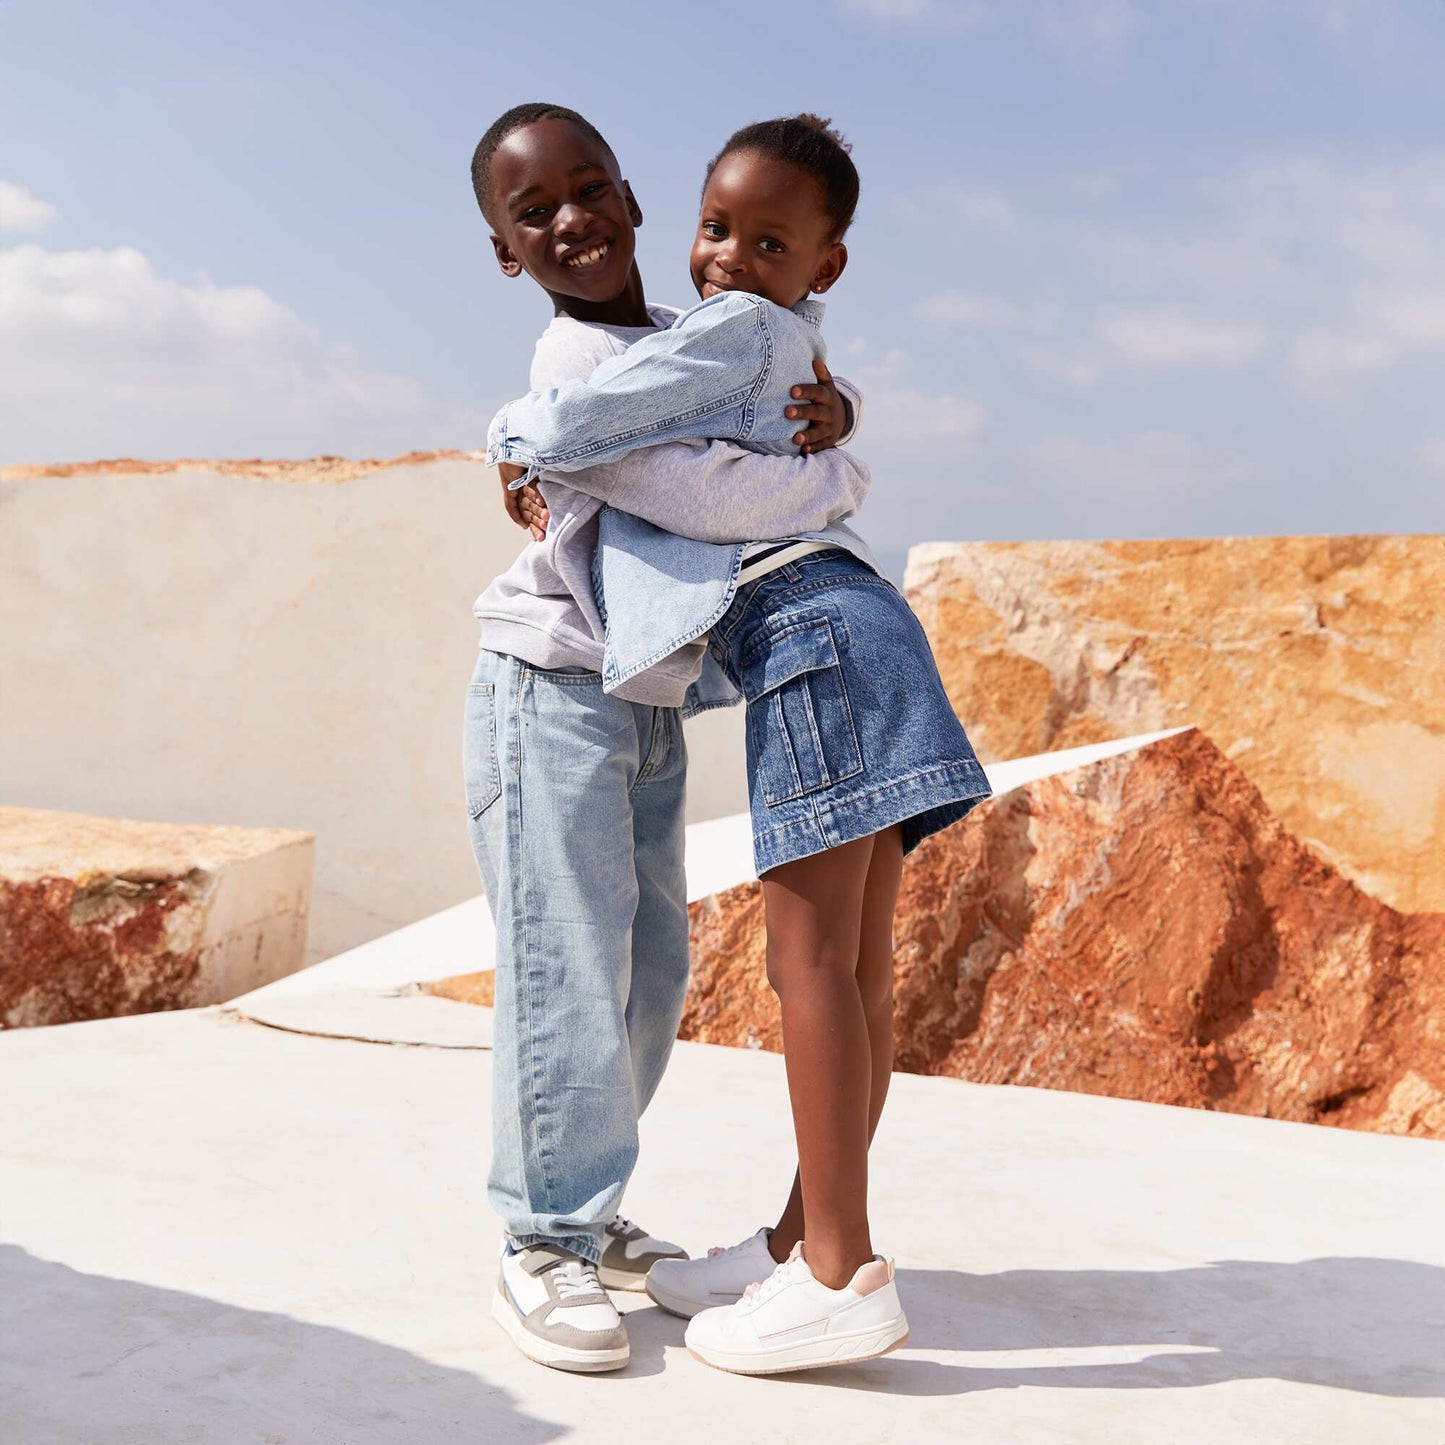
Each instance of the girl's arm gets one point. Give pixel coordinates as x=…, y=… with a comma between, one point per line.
x=699, y=379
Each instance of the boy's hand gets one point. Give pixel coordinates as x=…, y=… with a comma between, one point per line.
x=822, y=408
x=524, y=506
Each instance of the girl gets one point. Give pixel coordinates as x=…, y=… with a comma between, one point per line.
x=854, y=753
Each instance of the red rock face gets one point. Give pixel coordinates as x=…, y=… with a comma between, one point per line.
x=1143, y=927
x=71, y=952
x=107, y=916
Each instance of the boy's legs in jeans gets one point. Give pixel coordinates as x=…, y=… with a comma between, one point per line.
x=576, y=804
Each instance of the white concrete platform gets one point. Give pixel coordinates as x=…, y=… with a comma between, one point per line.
x=215, y=1233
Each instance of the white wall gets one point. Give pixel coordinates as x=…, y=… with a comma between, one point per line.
x=224, y=644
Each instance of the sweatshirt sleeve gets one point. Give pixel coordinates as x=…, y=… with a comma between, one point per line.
x=694, y=379
x=714, y=491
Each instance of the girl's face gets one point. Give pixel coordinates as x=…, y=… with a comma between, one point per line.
x=764, y=229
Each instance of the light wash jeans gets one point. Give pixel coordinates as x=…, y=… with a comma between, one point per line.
x=576, y=807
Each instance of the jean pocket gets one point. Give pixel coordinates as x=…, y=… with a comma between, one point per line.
x=800, y=723
x=479, y=749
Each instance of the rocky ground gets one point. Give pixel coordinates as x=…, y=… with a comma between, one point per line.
x=1313, y=662
x=1144, y=927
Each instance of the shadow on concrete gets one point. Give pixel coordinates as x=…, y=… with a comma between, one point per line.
x=96, y=1360
x=1372, y=1326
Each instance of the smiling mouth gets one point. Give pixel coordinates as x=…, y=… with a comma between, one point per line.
x=713, y=288
x=592, y=256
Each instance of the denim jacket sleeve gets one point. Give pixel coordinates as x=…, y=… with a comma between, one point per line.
x=700, y=378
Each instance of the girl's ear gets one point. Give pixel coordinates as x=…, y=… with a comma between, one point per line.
x=830, y=268
x=506, y=258
x=634, y=211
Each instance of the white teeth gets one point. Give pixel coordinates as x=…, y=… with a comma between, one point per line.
x=589, y=258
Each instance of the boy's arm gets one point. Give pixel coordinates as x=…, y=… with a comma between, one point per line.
x=713, y=491
x=695, y=379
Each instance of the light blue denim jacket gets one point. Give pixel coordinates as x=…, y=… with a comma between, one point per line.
x=724, y=370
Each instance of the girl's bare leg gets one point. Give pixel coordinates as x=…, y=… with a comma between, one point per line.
x=875, y=985
x=814, y=910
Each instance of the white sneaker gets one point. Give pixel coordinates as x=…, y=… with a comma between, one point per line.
x=792, y=1322
x=629, y=1252
x=685, y=1286
x=553, y=1306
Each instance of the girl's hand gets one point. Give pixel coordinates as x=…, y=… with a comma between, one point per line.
x=524, y=506
x=822, y=408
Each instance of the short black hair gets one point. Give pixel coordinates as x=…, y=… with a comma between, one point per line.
x=509, y=123
x=811, y=143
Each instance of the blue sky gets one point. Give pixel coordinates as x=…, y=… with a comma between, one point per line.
x=1121, y=269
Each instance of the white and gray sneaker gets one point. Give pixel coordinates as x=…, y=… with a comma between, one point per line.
x=554, y=1307
x=629, y=1252
x=685, y=1286
x=794, y=1322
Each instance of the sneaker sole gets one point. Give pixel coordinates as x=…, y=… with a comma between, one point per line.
x=555, y=1356
x=811, y=1354
x=681, y=1305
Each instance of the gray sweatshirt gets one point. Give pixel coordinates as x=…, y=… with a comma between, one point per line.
x=543, y=609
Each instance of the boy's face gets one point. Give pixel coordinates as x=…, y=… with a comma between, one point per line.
x=564, y=214
x=764, y=229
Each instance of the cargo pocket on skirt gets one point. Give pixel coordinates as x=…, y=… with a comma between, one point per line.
x=800, y=724
x=479, y=749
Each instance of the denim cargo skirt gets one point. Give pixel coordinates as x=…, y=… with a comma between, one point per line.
x=849, y=730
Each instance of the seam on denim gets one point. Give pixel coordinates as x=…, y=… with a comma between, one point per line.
x=625, y=439
x=564, y=679
x=822, y=811
x=911, y=781
x=802, y=588
x=683, y=638
x=592, y=1252
x=493, y=771
x=657, y=752
x=795, y=623
x=529, y=1097
x=614, y=676
x=764, y=372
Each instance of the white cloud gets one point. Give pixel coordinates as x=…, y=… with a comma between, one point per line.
x=1418, y=317
x=1169, y=336
x=969, y=309
x=21, y=211
x=982, y=210
x=904, y=418
x=1321, y=357
x=919, y=12
x=1094, y=29
x=100, y=355
x=1076, y=370
x=1150, y=461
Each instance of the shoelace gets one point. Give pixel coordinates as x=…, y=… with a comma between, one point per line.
x=621, y=1224
x=719, y=1251
x=784, y=1274
x=576, y=1277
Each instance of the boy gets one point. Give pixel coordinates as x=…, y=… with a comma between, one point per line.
x=575, y=796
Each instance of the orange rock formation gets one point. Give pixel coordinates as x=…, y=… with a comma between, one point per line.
x=1314, y=662
x=1143, y=927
